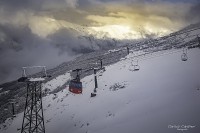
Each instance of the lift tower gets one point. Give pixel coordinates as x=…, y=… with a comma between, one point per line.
x=33, y=120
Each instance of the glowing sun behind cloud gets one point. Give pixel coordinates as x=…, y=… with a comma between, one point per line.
x=117, y=31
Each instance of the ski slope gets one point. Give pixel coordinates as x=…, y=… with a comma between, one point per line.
x=162, y=97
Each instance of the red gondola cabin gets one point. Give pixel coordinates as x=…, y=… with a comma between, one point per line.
x=75, y=86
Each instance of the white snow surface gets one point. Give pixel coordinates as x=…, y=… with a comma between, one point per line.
x=158, y=98
x=57, y=82
x=36, y=79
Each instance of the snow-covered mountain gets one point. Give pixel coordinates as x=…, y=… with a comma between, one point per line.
x=163, y=94
x=161, y=97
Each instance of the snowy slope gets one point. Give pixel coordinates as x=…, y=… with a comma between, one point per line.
x=56, y=82
x=160, y=98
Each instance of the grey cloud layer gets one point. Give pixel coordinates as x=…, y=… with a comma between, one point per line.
x=19, y=46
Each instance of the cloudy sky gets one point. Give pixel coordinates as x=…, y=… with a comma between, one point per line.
x=128, y=16
x=45, y=32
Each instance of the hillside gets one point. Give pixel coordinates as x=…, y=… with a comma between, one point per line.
x=164, y=92
x=161, y=96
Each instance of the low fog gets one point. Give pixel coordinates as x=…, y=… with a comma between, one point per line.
x=20, y=47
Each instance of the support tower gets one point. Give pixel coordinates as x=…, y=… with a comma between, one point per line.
x=33, y=120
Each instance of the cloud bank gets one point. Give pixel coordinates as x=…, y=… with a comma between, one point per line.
x=35, y=32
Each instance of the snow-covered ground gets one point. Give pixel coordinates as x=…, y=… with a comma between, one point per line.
x=57, y=82
x=162, y=97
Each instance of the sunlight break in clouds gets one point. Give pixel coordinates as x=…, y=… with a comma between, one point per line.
x=118, y=31
x=119, y=20
x=153, y=18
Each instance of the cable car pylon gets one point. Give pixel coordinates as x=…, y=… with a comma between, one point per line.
x=94, y=93
x=184, y=55
x=12, y=102
x=127, y=48
x=33, y=120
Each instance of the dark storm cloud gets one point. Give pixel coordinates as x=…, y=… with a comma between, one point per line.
x=193, y=14
x=66, y=41
x=70, y=15
x=14, y=51
x=20, y=47
x=76, y=11
x=34, y=4
x=15, y=5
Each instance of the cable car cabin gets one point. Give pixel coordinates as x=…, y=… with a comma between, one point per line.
x=184, y=57
x=75, y=86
